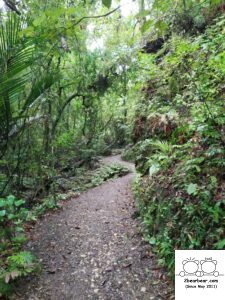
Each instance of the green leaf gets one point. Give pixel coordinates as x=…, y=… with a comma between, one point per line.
x=191, y=189
x=143, y=14
x=162, y=5
x=10, y=199
x=19, y=203
x=161, y=26
x=154, y=169
x=39, y=21
x=38, y=88
x=2, y=202
x=147, y=25
x=220, y=244
x=107, y=3
x=71, y=10
x=11, y=216
x=2, y=213
x=152, y=240
x=22, y=259
x=29, y=31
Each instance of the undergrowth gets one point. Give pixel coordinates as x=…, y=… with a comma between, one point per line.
x=179, y=151
x=108, y=172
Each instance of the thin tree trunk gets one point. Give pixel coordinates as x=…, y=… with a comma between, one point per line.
x=61, y=110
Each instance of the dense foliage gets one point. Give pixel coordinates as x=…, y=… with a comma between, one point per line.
x=54, y=114
x=179, y=143
x=78, y=79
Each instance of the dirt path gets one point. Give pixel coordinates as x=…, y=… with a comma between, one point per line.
x=93, y=249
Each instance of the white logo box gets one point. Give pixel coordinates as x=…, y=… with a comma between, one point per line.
x=199, y=274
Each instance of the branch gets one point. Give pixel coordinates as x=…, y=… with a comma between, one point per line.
x=10, y=4
x=96, y=17
x=68, y=100
x=79, y=21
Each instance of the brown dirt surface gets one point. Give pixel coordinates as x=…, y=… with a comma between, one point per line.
x=93, y=249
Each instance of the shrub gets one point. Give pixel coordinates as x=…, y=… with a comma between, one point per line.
x=13, y=261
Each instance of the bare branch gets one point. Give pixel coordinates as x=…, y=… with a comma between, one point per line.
x=96, y=17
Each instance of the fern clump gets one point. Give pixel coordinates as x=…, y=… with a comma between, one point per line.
x=180, y=190
x=14, y=262
x=108, y=172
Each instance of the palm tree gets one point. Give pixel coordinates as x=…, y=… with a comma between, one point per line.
x=17, y=94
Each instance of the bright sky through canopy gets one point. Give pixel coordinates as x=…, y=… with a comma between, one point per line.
x=128, y=7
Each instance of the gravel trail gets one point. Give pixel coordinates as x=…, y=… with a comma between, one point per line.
x=93, y=249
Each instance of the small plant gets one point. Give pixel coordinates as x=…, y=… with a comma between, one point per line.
x=13, y=262
x=179, y=208
x=19, y=264
x=108, y=172
x=12, y=215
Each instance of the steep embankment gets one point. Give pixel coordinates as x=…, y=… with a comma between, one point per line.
x=179, y=144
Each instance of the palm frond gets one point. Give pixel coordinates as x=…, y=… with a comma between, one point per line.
x=41, y=85
x=16, y=61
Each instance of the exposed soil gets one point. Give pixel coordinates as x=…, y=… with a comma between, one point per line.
x=93, y=249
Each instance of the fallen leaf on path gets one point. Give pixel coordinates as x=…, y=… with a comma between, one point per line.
x=127, y=265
